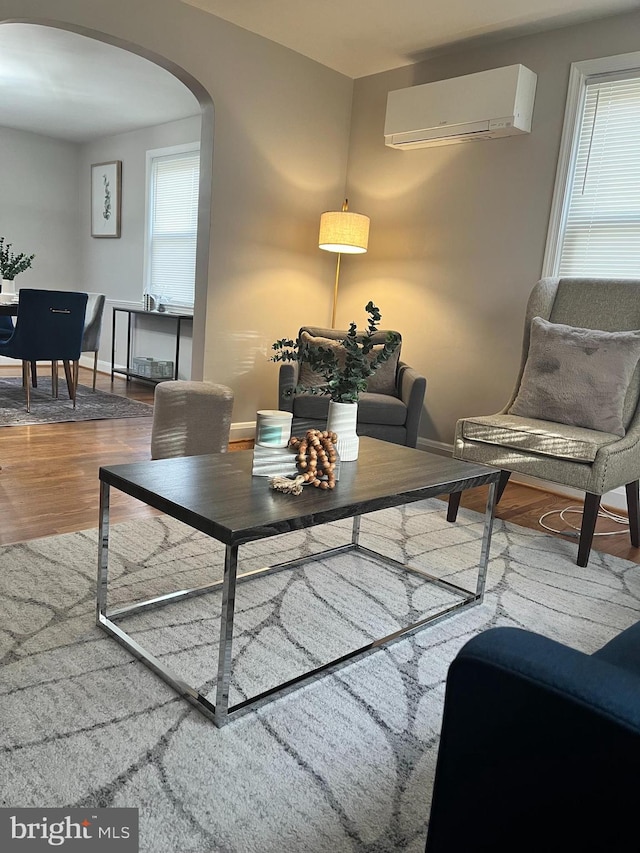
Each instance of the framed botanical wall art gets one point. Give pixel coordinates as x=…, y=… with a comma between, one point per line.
x=106, y=188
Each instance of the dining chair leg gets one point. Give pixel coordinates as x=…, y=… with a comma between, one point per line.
x=69, y=378
x=34, y=374
x=54, y=379
x=76, y=367
x=72, y=379
x=95, y=368
x=25, y=382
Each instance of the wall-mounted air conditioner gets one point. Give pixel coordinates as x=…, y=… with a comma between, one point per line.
x=486, y=105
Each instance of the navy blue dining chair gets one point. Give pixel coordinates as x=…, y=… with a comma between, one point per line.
x=90, y=336
x=49, y=327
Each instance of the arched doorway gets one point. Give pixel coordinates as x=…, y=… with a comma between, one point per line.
x=64, y=82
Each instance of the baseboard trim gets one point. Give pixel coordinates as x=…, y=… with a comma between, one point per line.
x=431, y=446
x=242, y=430
x=103, y=366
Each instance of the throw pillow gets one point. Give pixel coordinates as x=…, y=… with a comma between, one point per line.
x=577, y=376
x=382, y=381
x=307, y=376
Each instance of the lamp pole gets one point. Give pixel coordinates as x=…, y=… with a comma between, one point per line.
x=335, y=293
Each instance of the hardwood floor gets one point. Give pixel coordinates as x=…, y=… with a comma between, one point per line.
x=49, y=476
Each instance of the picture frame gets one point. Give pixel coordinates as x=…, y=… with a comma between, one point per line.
x=106, y=192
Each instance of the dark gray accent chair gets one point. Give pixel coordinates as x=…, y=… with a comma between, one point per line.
x=590, y=460
x=390, y=417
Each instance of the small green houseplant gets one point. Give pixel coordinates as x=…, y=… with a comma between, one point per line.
x=11, y=264
x=345, y=367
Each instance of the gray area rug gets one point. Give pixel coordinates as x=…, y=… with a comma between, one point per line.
x=90, y=405
x=344, y=764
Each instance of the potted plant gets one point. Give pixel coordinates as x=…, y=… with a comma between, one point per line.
x=345, y=368
x=11, y=264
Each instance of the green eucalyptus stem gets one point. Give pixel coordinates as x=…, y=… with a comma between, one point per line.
x=11, y=264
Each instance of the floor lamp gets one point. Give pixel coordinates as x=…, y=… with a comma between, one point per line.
x=343, y=231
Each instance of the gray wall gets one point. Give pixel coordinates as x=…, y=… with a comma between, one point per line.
x=280, y=152
x=38, y=196
x=45, y=209
x=115, y=266
x=458, y=232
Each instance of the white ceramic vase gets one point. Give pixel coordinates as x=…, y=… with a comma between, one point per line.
x=342, y=420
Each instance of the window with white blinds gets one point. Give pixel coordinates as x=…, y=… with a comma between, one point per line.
x=173, y=225
x=596, y=227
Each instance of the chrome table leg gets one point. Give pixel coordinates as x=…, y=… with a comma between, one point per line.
x=226, y=633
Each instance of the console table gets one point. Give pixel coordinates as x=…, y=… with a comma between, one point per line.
x=132, y=313
x=217, y=495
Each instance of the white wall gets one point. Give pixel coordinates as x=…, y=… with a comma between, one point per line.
x=38, y=206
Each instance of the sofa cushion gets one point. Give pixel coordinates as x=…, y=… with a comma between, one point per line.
x=537, y=436
x=381, y=409
x=313, y=406
x=372, y=408
x=577, y=376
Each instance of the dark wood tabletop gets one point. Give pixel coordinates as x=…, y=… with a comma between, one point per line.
x=9, y=310
x=218, y=495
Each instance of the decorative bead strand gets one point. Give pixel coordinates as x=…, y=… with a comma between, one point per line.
x=316, y=457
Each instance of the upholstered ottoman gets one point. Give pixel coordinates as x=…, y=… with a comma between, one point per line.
x=190, y=418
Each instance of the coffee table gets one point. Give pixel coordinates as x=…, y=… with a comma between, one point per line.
x=217, y=495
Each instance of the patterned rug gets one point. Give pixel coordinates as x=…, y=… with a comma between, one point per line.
x=343, y=764
x=90, y=405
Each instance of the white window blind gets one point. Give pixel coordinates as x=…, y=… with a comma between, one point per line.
x=173, y=226
x=601, y=230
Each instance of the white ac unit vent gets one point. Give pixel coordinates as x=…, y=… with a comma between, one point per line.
x=486, y=105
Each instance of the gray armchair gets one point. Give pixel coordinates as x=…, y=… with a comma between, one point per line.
x=391, y=410
x=573, y=417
